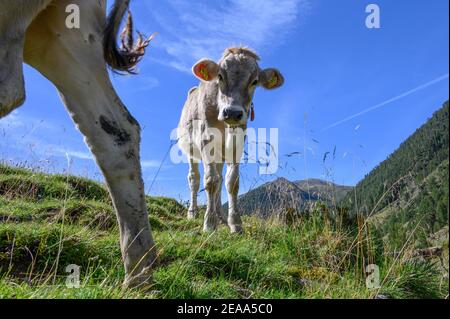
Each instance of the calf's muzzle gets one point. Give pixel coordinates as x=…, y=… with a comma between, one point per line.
x=232, y=115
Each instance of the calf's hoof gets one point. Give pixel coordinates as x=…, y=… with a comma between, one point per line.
x=209, y=228
x=192, y=214
x=211, y=223
x=141, y=281
x=236, y=229
x=223, y=218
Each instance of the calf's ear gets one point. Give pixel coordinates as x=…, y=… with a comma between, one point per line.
x=271, y=79
x=206, y=70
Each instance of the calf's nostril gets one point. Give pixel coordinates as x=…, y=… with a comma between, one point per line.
x=233, y=115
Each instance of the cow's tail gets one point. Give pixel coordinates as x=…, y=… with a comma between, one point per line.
x=125, y=58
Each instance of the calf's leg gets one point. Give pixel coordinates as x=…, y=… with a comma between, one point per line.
x=232, y=185
x=194, y=185
x=212, y=182
x=219, y=210
x=73, y=60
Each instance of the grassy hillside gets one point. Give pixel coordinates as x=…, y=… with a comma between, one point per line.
x=419, y=213
x=406, y=196
x=48, y=222
x=410, y=164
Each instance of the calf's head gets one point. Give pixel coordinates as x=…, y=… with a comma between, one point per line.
x=237, y=75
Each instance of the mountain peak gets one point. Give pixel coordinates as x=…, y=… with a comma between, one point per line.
x=282, y=194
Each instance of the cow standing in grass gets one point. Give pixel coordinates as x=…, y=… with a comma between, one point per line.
x=75, y=60
x=212, y=117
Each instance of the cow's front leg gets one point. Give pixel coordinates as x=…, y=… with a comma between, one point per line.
x=232, y=185
x=73, y=60
x=212, y=182
x=219, y=210
x=113, y=136
x=194, y=185
x=114, y=142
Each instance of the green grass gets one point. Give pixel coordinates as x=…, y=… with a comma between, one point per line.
x=50, y=221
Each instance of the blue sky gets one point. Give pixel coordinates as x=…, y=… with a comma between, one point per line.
x=334, y=68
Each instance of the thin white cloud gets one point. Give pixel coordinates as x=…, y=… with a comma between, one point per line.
x=12, y=120
x=74, y=154
x=133, y=84
x=17, y=132
x=396, y=98
x=29, y=134
x=146, y=164
x=27, y=125
x=150, y=164
x=204, y=28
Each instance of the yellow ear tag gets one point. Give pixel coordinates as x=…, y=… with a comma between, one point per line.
x=273, y=81
x=204, y=73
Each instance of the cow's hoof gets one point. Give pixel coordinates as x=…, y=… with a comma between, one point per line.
x=210, y=225
x=209, y=228
x=223, y=218
x=141, y=281
x=236, y=229
x=192, y=214
x=211, y=222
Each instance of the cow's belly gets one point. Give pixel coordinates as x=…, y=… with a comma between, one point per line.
x=187, y=143
x=15, y=17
